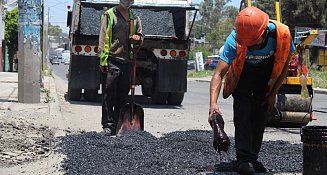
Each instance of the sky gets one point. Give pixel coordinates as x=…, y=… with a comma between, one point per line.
x=58, y=11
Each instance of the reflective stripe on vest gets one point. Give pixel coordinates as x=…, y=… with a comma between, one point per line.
x=108, y=39
x=283, y=38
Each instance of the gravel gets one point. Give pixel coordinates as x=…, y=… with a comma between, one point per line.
x=181, y=152
x=156, y=23
x=90, y=21
x=153, y=23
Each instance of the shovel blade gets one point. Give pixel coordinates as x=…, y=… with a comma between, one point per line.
x=128, y=122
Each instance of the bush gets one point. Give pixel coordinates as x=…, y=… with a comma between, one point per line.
x=319, y=78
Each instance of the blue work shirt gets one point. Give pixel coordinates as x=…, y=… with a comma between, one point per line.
x=253, y=57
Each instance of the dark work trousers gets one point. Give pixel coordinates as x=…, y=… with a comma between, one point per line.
x=115, y=88
x=249, y=107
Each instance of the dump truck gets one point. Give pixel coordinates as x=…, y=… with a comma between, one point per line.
x=293, y=107
x=161, y=66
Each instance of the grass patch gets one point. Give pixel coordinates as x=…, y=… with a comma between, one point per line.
x=319, y=78
x=47, y=72
x=48, y=98
x=200, y=74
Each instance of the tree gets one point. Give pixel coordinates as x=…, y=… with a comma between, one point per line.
x=297, y=12
x=217, y=21
x=305, y=13
x=54, y=30
x=211, y=11
x=11, y=34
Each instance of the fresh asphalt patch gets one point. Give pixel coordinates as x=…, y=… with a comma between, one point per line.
x=180, y=152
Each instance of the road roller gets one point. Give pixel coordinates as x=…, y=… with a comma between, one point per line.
x=293, y=106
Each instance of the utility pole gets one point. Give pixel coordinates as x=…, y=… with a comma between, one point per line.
x=29, y=48
x=42, y=36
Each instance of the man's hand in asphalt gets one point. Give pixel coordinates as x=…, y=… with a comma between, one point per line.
x=136, y=38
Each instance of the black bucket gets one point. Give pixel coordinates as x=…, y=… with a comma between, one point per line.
x=314, y=140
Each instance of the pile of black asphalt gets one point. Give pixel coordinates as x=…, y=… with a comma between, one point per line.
x=153, y=23
x=156, y=22
x=180, y=152
x=90, y=21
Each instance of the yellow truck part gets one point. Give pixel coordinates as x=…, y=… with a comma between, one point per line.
x=296, y=81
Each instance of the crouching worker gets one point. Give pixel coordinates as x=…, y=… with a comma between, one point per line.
x=255, y=61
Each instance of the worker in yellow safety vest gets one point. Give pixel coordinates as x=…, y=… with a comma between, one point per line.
x=120, y=34
x=255, y=61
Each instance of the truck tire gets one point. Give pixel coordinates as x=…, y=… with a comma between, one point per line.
x=91, y=94
x=147, y=91
x=159, y=98
x=175, y=98
x=74, y=94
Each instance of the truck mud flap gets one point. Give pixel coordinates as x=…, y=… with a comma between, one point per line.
x=172, y=76
x=84, y=73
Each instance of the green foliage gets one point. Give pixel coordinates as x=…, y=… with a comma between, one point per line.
x=305, y=13
x=222, y=31
x=47, y=72
x=216, y=21
x=11, y=34
x=48, y=98
x=200, y=74
x=267, y=6
x=54, y=30
x=319, y=78
x=205, y=52
x=297, y=12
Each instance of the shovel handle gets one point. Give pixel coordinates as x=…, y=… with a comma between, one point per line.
x=134, y=70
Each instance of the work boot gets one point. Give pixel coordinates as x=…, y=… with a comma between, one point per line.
x=245, y=168
x=108, y=132
x=259, y=168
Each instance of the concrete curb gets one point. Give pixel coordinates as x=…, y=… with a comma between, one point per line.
x=320, y=91
x=54, y=107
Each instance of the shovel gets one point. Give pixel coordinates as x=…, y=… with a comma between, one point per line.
x=131, y=116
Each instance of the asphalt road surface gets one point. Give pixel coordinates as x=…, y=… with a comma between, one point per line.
x=198, y=95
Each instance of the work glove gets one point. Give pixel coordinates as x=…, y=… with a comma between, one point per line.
x=136, y=40
x=104, y=69
x=221, y=141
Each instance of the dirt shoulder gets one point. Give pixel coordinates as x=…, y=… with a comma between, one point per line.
x=27, y=131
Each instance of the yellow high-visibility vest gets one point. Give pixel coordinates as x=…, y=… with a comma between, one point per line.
x=107, y=44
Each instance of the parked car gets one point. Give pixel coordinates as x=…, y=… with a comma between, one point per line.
x=66, y=61
x=55, y=60
x=190, y=64
x=212, y=65
x=65, y=56
x=59, y=52
x=211, y=62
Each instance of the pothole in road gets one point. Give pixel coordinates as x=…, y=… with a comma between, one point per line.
x=20, y=143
